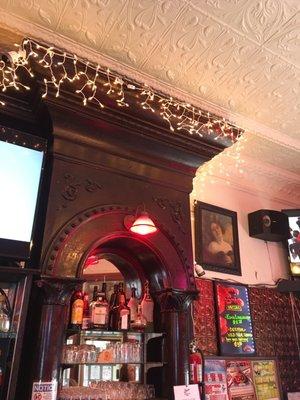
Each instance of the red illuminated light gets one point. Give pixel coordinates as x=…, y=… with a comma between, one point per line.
x=143, y=225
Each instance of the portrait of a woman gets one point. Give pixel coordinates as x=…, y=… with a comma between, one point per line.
x=219, y=251
x=216, y=238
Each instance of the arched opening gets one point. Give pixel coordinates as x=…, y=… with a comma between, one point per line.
x=99, y=238
x=162, y=260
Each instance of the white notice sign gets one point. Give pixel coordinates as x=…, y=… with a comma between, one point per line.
x=187, y=392
x=44, y=390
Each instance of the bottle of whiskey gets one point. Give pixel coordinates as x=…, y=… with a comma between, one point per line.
x=140, y=322
x=115, y=308
x=100, y=312
x=123, y=313
x=76, y=309
x=113, y=303
x=133, y=305
x=147, y=307
x=103, y=291
x=86, y=318
x=94, y=298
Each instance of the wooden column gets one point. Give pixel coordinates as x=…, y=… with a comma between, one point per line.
x=176, y=322
x=54, y=320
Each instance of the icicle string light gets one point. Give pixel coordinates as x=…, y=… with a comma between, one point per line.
x=93, y=82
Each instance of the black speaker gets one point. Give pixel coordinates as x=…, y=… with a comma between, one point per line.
x=269, y=225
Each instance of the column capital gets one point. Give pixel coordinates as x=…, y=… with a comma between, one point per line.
x=58, y=291
x=176, y=300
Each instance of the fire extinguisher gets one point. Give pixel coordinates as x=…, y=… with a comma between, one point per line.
x=195, y=364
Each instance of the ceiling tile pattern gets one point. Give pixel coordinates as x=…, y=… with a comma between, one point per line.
x=241, y=55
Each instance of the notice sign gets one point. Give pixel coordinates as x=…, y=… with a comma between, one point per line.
x=186, y=392
x=215, y=380
x=239, y=380
x=265, y=380
x=234, y=320
x=44, y=391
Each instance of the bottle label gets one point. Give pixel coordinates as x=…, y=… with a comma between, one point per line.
x=124, y=321
x=99, y=315
x=147, y=310
x=85, y=323
x=77, y=312
x=133, y=306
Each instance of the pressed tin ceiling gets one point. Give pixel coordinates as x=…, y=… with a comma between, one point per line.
x=241, y=57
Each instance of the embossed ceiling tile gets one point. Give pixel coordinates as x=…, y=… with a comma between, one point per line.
x=4, y=4
x=273, y=153
x=141, y=29
x=256, y=19
x=259, y=177
x=91, y=22
x=224, y=57
x=45, y=13
x=260, y=89
x=286, y=41
x=187, y=40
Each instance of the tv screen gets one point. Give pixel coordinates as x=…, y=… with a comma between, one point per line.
x=21, y=163
x=293, y=244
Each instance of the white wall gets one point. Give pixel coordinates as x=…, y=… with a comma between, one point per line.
x=257, y=266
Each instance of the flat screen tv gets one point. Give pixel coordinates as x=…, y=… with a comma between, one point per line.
x=293, y=243
x=21, y=165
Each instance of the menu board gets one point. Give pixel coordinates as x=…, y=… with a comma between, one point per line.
x=215, y=380
x=239, y=380
x=234, y=320
x=265, y=380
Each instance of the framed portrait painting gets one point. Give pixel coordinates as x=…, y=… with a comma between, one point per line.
x=216, y=239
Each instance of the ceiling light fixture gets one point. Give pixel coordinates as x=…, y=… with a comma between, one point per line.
x=140, y=223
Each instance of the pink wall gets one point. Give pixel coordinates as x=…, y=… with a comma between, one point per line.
x=257, y=266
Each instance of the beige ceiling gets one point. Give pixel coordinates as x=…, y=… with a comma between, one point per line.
x=240, y=58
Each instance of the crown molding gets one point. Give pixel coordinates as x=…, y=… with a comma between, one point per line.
x=259, y=179
x=21, y=27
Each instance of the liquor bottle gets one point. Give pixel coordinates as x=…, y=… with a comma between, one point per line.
x=4, y=317
x=94, y=298
x=140, y=322
x=123, y=313
x=100, y=312
x=95, y=292
x=147, y=307
x=115, y=308
x=103, y=291
x=76, y=309
x=133, y=305
x=113, y=305
x=86, y=318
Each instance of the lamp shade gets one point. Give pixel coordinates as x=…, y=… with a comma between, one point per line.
x=143, y=225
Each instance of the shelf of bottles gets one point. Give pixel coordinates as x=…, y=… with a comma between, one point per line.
x=110, y=343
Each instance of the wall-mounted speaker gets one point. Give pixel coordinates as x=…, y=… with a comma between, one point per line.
x=269, y=225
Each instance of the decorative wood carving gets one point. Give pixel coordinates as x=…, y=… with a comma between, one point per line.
x=174, y=300
x=72, y=188
x=58, y=291
x=66, y=250
x=175, y=209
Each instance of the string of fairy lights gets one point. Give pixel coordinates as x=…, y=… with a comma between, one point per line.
x=93, y=82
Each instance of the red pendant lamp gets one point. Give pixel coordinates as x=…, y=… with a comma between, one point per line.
x=141, y=223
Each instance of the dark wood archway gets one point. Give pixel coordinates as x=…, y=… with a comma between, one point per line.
x=156, y=258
